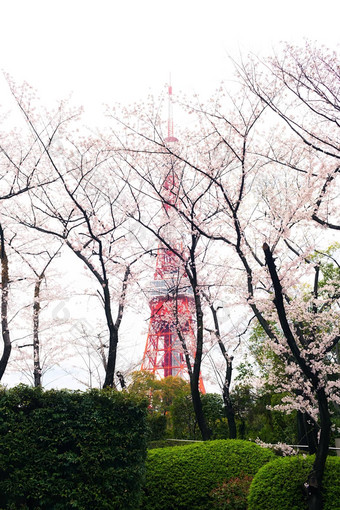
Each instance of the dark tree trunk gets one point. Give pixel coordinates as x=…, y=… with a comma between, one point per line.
x=4, y=306
x=197, y=404
x=195, y=370
x=36, y=341
x=194, y=374
x=229, y=413
x=311, y=434
x=194, y=377
x=316, y=475
x=113, y=339
x=113, y=328
x=228, y=406
x=112, y=354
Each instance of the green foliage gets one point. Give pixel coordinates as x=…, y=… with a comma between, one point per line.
x=330, y=270
x=264, y=358
x=255, y=420
x=162, y=393
x=284, y=426
x=279, y=484
x=63, y=449
x=171, y=412
x=232, y=494
x=156, y=426
x=220, y=430
x=212, y=404
x=183, y=419
x=184, y=476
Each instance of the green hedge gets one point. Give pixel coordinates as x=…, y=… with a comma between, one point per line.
x=183, y=477
x=279, y=484
x=63, y=449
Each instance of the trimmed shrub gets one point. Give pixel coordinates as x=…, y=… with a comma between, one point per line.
x=63, y=449
x=183, y=477
x=279, y=484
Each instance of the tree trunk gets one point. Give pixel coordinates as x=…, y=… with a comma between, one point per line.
x=113, y=328
x=36, y=342
x=228, y=406
x=113, y=337
x=197, y=404
x=194, y=377
x=4, y=307
x=111, y=358
x=229, y=413
x=316, y=475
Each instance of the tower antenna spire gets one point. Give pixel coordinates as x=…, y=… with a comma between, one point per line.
x=170, y=112
x=171, y=137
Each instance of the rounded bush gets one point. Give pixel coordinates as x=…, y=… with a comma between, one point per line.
x=183, y=477
x=279, y=484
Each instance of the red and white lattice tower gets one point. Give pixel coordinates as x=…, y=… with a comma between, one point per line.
x=171, y=296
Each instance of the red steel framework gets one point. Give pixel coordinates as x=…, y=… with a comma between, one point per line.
x=171, y=299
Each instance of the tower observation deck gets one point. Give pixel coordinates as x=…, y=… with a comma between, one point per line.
x=171, y=329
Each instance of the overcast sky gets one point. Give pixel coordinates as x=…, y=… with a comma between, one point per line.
x=103, y=51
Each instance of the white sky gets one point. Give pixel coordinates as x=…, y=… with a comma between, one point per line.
x=105, y=51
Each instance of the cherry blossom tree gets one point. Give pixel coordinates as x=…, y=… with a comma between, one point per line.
x=301, y=86
x=33, y=258
x=261, y=187
x=21, y=161
x=32, y=290
x=311, y=333
x=81, y=203
x=91, y=226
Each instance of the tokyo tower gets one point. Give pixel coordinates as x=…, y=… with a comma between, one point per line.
x=171, y=297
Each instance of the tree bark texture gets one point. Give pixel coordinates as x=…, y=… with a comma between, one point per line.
x=7, y=346
x=36, y=341
x=194, y=377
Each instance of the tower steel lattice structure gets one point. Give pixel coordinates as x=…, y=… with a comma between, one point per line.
x=171, y=299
